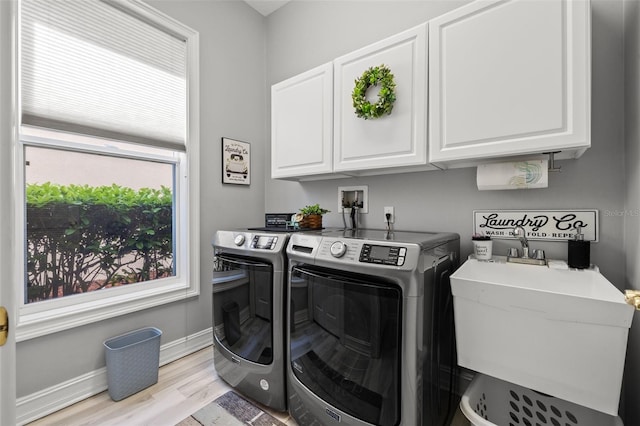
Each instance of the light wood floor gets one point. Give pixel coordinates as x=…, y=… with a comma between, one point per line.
x=184, y=386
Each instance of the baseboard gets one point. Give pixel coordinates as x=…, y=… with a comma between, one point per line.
x=54, y=398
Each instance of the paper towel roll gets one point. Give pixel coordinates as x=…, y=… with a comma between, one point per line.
x=513, y=175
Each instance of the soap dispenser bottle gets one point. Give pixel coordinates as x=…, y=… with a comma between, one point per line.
x=579, y=251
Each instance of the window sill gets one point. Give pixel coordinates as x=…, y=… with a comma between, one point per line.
x=38, y=324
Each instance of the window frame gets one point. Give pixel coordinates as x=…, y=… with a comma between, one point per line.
x=56, y=315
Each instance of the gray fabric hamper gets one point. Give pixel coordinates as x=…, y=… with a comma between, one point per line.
x=133, y=360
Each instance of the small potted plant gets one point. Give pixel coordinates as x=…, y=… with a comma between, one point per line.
x=312, y=216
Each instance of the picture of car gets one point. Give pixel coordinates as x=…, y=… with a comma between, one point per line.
x=237, y=166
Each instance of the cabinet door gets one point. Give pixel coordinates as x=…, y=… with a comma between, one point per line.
x=509, y=77
x=394, y=140
x=302, y=124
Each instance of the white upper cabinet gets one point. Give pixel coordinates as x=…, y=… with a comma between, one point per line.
x=491, y=79
x=302, y=124
x=510, y=77
x=395, y=142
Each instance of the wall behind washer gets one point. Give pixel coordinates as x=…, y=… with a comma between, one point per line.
x=304, y=34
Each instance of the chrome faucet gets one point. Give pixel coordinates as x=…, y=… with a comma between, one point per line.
x=538, y=257
x=521, y=235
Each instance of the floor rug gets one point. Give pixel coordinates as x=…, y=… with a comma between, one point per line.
x=230, y=409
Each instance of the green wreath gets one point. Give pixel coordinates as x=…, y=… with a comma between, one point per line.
x=374, y=76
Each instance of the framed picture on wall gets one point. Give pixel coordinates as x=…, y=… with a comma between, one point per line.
x=236, y=162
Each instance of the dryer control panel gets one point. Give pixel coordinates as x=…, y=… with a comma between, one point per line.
x=384, y=255
x=265, y=242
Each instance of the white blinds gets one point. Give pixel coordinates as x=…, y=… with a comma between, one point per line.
x=91, y=68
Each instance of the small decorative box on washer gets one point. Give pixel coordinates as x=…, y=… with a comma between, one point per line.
x=277, y=220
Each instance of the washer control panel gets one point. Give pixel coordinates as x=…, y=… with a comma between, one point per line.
x=239, y=240
x=264, y=242
x=384, y=255
x=338, y=249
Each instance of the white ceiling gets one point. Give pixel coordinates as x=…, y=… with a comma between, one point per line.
x=265, y=7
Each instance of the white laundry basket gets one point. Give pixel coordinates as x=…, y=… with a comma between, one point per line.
x=489, y=401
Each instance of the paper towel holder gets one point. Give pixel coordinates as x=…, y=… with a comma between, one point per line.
x=552, y=165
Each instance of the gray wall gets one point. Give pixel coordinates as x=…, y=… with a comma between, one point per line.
x=232, y=104
x=632, y=207
x=238, y=66
x=302, y=35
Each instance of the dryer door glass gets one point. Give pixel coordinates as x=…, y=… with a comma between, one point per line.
x=242, y=307
x=345, y=336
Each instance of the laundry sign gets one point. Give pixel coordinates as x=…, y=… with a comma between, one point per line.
x=549, y=225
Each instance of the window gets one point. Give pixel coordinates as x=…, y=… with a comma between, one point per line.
x=108, y=155
x=92, y=224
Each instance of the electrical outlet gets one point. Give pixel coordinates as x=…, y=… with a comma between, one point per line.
x=392, y=217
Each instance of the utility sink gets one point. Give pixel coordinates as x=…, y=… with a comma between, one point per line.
x=562, y=332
